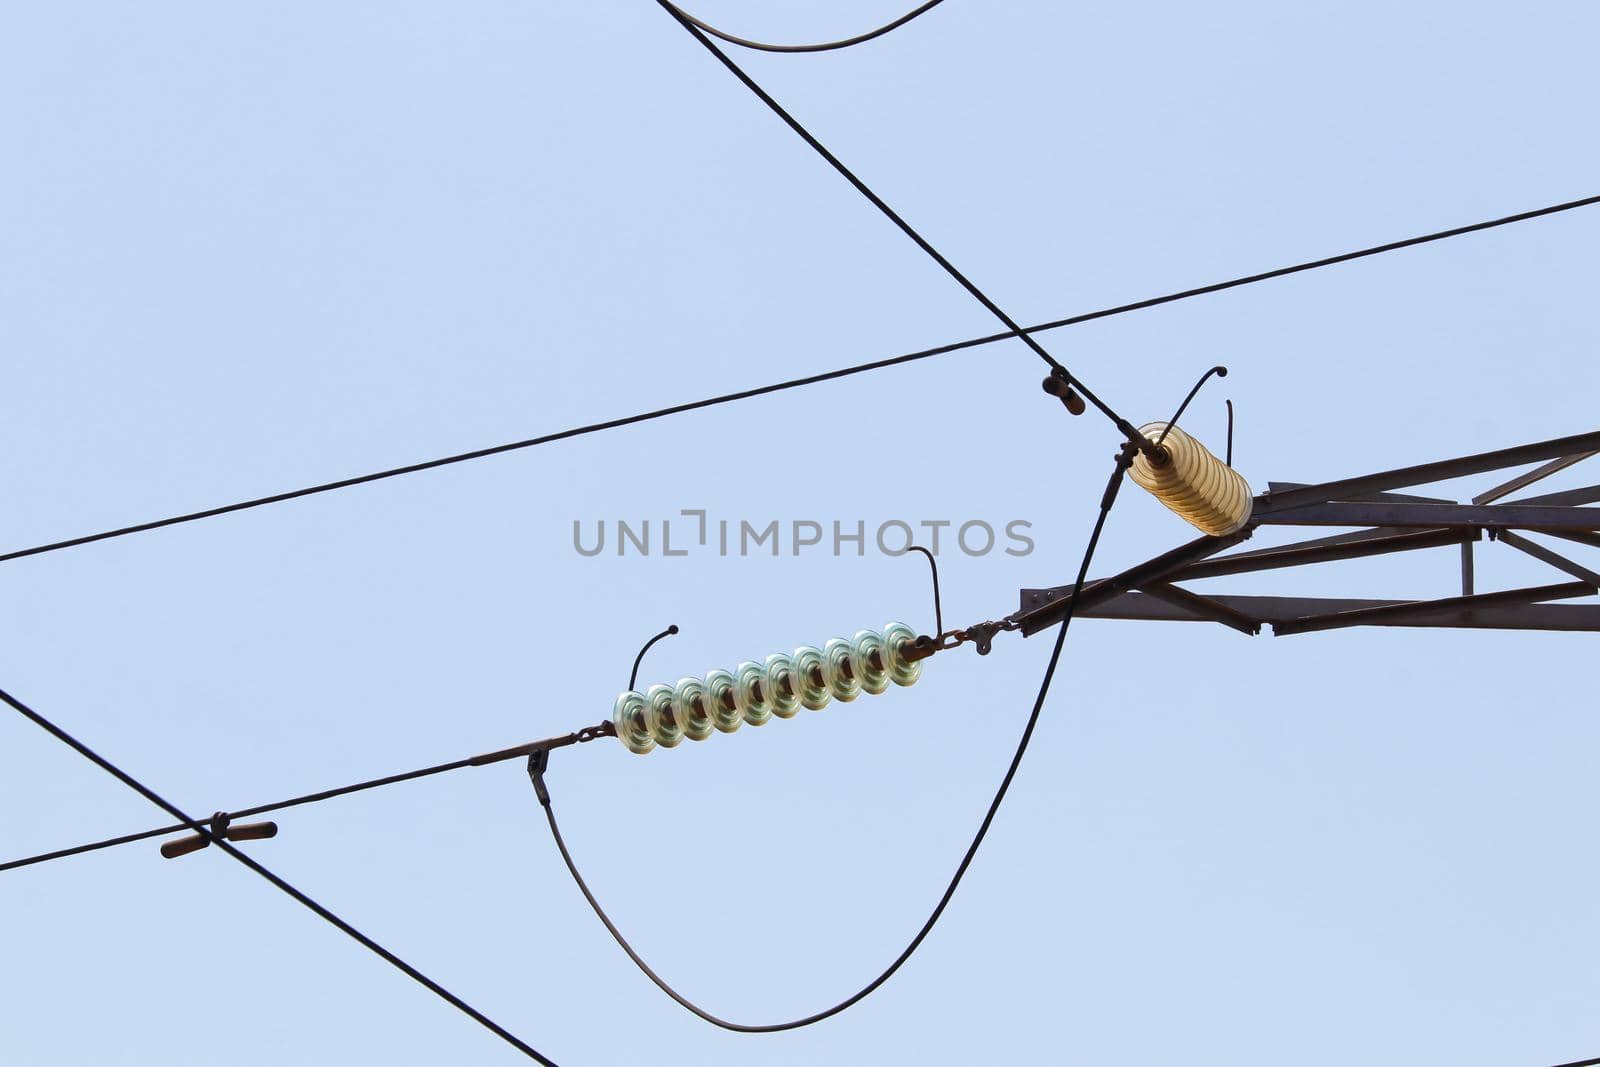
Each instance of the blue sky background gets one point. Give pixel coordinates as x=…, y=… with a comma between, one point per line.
x=249, y=247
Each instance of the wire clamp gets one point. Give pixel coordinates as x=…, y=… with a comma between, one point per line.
x=1059, y=385
x=538, y=763
x=220, y=827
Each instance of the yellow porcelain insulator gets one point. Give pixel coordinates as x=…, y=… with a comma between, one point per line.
x=1210, y=495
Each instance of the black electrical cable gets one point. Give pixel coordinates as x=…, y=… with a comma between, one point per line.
x=406, y=776
x=825, y=46
x=495, y=450
x=1220, y=371
x=1106, y=502
x=389, y=957
x=1122, y=424
x=93, y=846
x=260, y=809
x=1316, y=264
x=793, y=383
x=200, y=828
x=482, y=760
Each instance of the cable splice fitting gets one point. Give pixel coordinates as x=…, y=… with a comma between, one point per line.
x=1059, y=385
x=220, y=827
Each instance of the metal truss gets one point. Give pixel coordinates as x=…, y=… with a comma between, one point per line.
x=1389, y=522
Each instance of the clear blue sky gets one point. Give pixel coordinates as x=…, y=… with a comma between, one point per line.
x=252, y=246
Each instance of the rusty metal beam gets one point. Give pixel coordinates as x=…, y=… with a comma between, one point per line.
x=1273, y=610
x=1522, y=481
x=1423, y=473
x=1042, y=608
x=1204, y=607
x=1419, y=609
x=1435, y=516
x=1325, y=550
x=1275, y=489
x=1554, y=559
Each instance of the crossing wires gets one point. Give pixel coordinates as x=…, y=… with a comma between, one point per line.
x=1124, y=427
x=322, y=912
x=703, y=33
x=796, y=383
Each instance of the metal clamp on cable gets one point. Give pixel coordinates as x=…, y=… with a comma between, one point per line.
x=538, y=763
x=221, y=828
x=539, y=757
x=539, y=754
x=1059, y=385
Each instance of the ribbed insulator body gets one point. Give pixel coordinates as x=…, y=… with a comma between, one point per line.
x=754, y=692
x=1210, y=495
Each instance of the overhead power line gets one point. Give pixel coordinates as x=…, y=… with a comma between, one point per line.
x=1315, y=264
x=493, y=450
x=825, y=46
x=588, y=734
x=189, y=823
x=700, y=31
x=1124, y=427
x=484, y=760
x=794, y=383
x=1106, y=502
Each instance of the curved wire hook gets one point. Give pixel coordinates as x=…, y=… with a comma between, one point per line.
x=1229, y=460
x=1219, y=370
x=824, y=46
x=938, y=612
x=633, y=679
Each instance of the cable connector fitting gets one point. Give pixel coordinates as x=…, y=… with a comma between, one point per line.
x=594, y=733
x=1059, y=385
x=979, y=635
x=220, y=828
x=538, y=763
